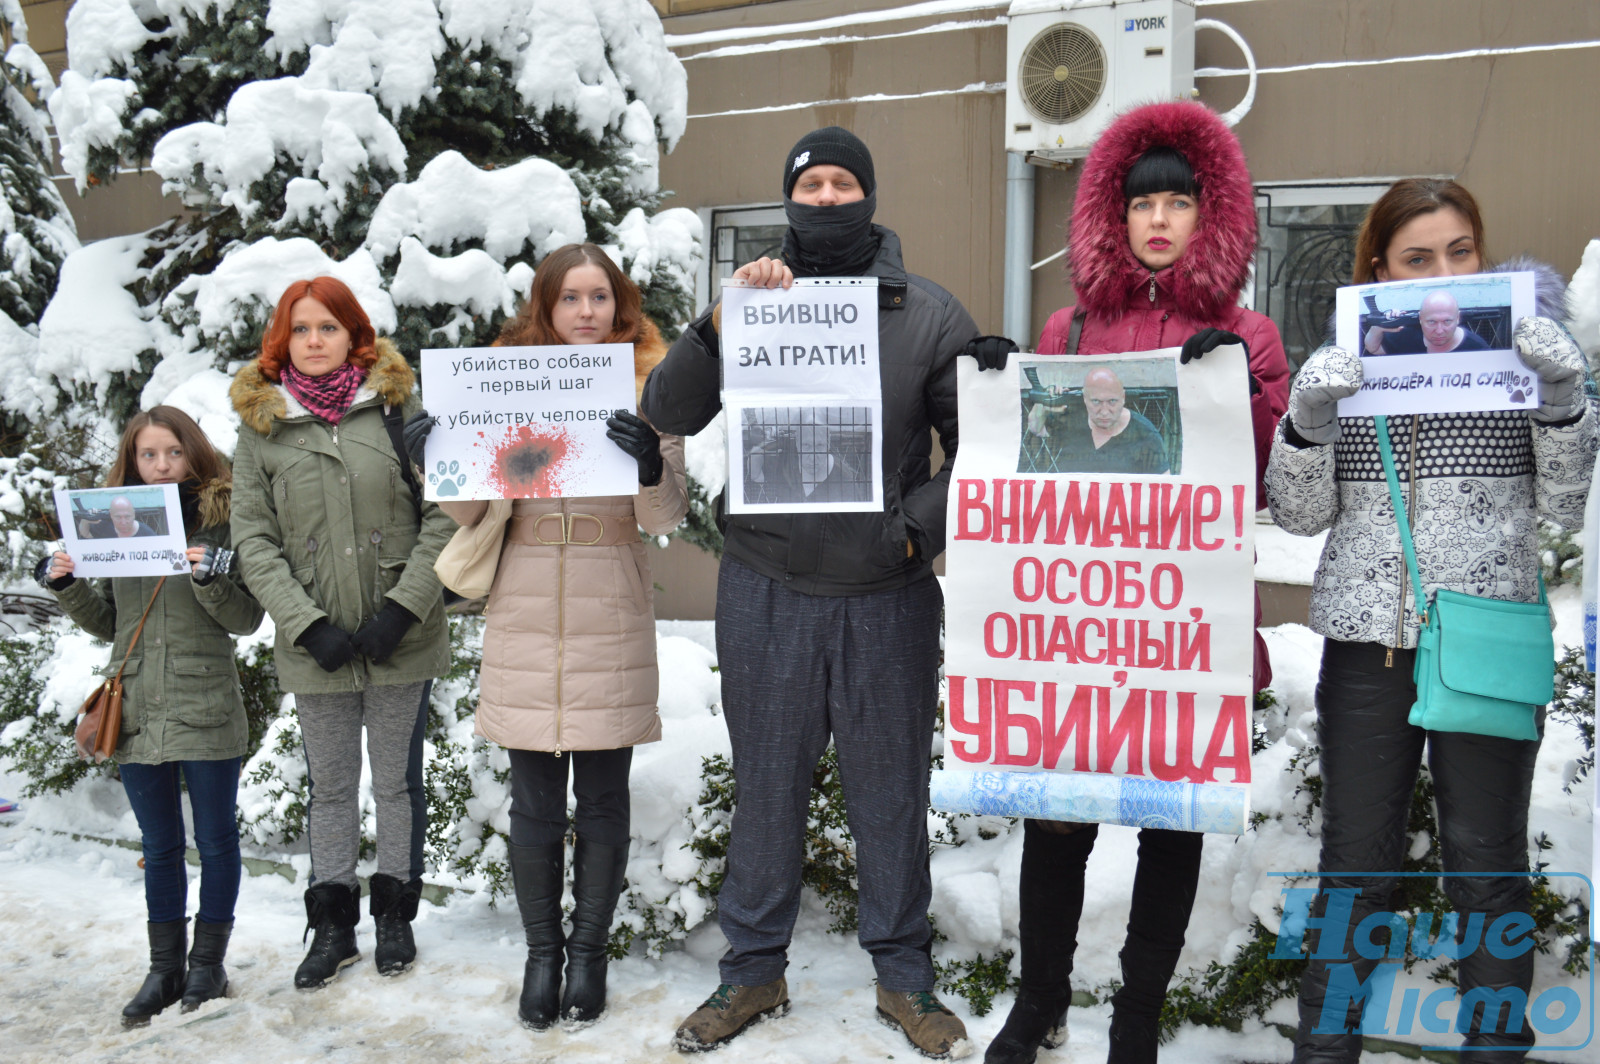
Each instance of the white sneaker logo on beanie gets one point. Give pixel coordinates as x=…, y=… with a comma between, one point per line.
x=799, y=161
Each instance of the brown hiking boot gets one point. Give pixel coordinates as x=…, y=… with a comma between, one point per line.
x=727, y=1012
x=934, y=1031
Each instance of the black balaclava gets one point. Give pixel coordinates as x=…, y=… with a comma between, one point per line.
x=830, y=241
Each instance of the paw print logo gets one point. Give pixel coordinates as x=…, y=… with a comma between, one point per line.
x=448, y=478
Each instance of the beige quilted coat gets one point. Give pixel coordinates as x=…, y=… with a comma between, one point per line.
x=569, y=650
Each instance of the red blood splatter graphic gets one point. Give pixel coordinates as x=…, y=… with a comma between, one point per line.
x=530, y=463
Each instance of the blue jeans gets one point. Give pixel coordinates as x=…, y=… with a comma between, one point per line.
x=213, y=793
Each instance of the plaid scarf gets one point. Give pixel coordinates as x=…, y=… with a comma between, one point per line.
x=328, y=396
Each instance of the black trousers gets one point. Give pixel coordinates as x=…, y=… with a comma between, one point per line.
x=1051, y=895
x=1370, y=759
x=539, y=795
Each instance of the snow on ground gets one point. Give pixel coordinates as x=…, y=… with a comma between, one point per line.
x=75, y=909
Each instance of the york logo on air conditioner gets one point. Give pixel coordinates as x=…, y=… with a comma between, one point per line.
x=1129, y=25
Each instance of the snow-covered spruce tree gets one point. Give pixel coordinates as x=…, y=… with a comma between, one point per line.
x=428, y=152
x=36, y=234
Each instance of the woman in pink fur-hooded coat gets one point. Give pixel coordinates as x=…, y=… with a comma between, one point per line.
x=1162, y=237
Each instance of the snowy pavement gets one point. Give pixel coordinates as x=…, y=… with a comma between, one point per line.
x=72, y=915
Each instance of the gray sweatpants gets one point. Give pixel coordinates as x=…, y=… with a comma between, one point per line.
x=330, y=726
x=795, y=669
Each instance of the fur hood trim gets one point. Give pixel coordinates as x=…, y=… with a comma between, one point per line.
x=1549, y=287
x=1212, y=273
x=259, y=401
x=216, y=503
x=648, y=351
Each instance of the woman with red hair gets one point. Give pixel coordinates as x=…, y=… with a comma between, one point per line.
x=339, y=548
x=1162, y=238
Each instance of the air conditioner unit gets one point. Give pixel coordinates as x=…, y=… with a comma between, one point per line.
x=1071, y=66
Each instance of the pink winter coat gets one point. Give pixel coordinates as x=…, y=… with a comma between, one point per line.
x=1128, y=307
x=569, y=650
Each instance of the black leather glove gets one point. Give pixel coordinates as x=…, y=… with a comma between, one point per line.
x=328, y=644
x=41, y=575
x=635, y=436
x=379, y=636
x=1207, y=339
x=215, y=562
x=415, y=433
x=990, y=351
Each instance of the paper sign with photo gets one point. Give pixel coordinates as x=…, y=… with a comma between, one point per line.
x=527, y=422
x=1099, y=605
x=800, y=380
x=129, y=531
x=1437, y=345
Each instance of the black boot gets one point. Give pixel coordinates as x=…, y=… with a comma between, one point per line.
x=394, y=906
x=1496, y=1029
x=163, y=985
x=207, y=979
x=1163, y=897
x=1050, y=896
x=597, y=871
x=536, y=872
x=332, y=910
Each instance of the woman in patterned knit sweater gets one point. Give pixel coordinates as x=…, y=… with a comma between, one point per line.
x=1476, y=485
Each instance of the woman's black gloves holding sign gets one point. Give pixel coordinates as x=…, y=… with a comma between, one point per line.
x=990, y=351
x=328, y=644
x=635, y=436
x=415, y=433
x=379, y=636
x=41, y=575
x=1208, y=339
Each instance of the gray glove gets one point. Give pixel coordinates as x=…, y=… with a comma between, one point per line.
x=1330, y=374
x=1548, y=350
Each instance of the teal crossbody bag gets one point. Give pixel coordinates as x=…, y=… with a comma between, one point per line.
x=1483, y=665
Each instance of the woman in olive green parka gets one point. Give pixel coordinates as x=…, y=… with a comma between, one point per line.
x=340, y=551
x=182, y=713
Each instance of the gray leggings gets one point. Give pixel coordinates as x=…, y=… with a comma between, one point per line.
x=330, y=726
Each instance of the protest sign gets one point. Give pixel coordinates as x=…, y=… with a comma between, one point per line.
x=128, y=531
x=527, y=422
x=1438, y=345
x=800, y=382
x=1099, y=593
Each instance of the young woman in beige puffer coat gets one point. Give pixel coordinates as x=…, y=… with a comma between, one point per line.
x=569, y=652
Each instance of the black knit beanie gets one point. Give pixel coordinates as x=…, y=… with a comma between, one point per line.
x=829, y=146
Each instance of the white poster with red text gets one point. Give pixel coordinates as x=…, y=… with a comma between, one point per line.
x=1099, y=596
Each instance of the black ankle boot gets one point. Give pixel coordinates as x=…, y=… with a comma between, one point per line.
x=394, y=906
x=597, y=871
x=536, y=873
x=1035, y=1020
x=163, y=985
x=1050, y=899
x=332, y=910
x=207, y=979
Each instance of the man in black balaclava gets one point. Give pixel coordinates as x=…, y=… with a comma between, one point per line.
x=828, y=624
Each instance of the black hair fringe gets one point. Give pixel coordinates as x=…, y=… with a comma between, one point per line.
x=1161, y=169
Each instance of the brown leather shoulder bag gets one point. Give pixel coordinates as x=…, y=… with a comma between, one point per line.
x=100, y=719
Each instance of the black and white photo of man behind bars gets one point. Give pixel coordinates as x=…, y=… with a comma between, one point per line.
x=807, y=454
